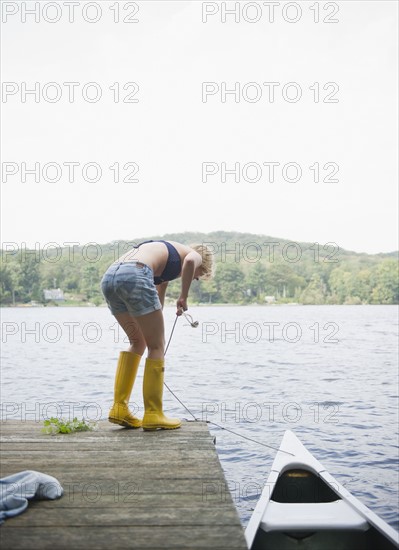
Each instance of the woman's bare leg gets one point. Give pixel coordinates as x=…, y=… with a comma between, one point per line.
x=126, y=371
x=153, y=330
x=132, y=329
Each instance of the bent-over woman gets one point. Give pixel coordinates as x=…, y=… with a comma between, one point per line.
x=134, y=288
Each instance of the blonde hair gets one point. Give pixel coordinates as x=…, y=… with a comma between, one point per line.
x=207, y=266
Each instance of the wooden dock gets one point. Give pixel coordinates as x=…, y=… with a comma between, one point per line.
x=122, y=489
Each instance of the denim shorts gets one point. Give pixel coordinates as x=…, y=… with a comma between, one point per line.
x=129, y=287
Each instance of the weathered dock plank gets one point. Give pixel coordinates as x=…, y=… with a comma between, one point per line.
x=122, y=489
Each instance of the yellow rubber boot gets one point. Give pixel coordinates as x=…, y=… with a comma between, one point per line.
x=126, y=372
x=154, y=418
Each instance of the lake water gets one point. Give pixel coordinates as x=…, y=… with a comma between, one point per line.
x=329, y=373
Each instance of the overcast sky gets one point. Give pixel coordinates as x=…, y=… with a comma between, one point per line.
x=334, y=109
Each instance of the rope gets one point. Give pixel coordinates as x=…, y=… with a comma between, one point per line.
x=208, y=421
x=250, y=439
x=165, y=384
x=181, y=402
x=171, y=334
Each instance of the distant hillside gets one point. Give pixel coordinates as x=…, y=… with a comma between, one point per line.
x=250, y=268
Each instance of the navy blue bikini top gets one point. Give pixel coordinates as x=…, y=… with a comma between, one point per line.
x=173, y=264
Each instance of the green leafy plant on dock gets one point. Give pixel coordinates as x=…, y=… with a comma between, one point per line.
x=55, y=426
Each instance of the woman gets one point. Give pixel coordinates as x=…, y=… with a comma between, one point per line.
x=134, y=288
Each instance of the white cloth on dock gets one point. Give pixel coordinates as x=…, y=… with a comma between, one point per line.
x=15, y=490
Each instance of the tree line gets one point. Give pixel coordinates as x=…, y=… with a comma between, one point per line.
x=249, y=269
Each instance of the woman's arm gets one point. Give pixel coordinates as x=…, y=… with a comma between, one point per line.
x=191, y=262
x=161, y=289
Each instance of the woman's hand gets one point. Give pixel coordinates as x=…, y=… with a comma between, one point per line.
x=181, y=305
